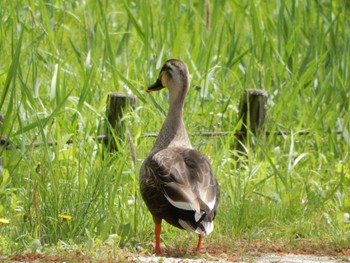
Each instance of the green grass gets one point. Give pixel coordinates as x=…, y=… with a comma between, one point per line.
x=61, y=59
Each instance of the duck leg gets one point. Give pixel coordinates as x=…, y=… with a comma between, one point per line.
x=198, y=250
x=158, y=229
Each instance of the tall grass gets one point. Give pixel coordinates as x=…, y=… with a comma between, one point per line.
x=60, y=60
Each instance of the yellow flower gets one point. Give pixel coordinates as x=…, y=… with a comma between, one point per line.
x=4, y=221
x=66, y=217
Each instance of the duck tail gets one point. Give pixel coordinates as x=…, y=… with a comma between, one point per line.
x=203, y=226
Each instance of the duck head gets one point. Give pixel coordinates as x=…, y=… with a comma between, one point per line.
x=174, y=76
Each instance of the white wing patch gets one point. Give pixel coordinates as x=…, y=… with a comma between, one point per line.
x=182, y=205
x=198, y=215
x=186, y=225
x=211, y=204
x=187, y=200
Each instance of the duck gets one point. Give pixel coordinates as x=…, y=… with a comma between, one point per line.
x=177, y=182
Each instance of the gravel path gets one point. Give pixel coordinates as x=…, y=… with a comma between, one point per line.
x=266, y=258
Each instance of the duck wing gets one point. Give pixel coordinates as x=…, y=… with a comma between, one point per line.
x=189, y=186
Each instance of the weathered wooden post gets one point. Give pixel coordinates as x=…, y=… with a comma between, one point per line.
x=253, y=111
x=117, y=105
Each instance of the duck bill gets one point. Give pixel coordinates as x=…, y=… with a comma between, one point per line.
x=156, y=86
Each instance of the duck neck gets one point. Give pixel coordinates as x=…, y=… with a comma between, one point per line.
x=173, y=132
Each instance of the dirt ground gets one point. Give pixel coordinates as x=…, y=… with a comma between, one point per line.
x=262, y=258
x=266, y=258
x=239, y=251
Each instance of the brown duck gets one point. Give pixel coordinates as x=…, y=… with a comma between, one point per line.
x=177, y=182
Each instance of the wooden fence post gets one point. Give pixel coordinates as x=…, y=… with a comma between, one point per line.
x=117, y=105
x=253, y=111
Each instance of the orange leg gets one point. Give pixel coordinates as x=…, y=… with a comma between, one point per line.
x=158, y=229
x=198, y=250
